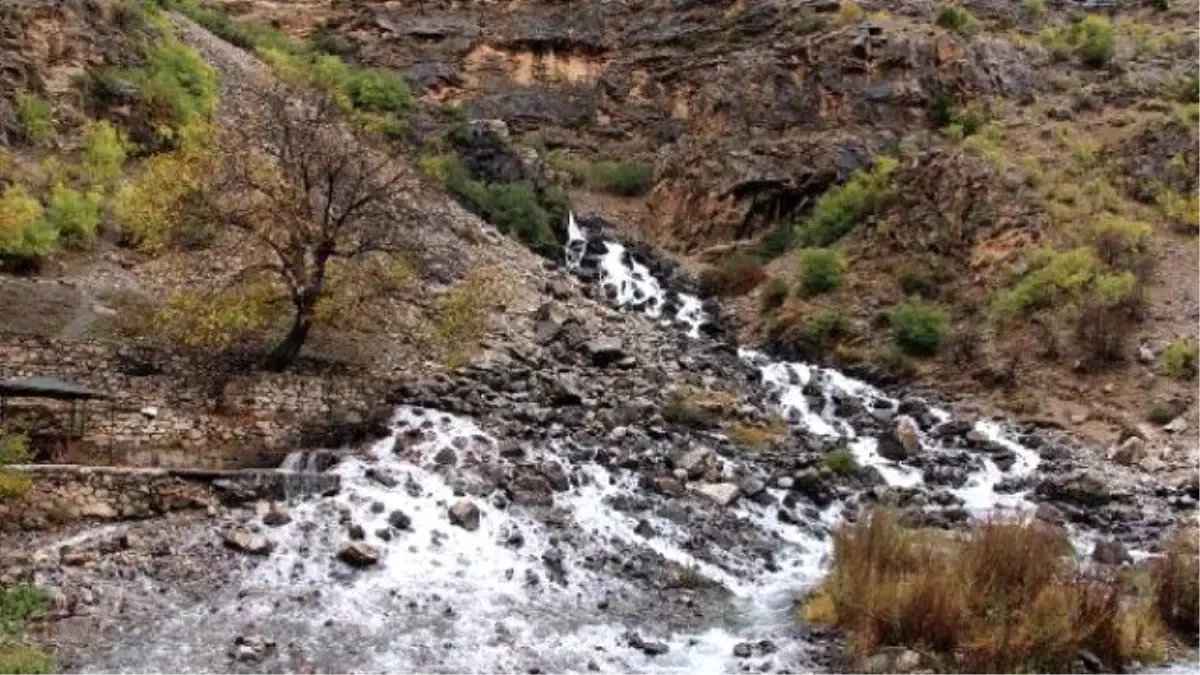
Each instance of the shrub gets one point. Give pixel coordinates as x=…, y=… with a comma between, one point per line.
x=774, y=294
x=841, y=208
x=153, y=209
x=1034, y=9
x=73, y=214
x=15, y=658
x=808, y=24
x=1102, y=326
x=23, y=231
x=463, y=318
x=1176, y=583
x=820, y=271
x=1121, y=243
x=849, y=12
x=1092, y=38
x=1182, y=212
x=1187, y=89
x=1054, y=280
x=958, y=19
x=778, y=241
x=737, y=274
x=18, y=603
x=684, y=409
x=917, y=278
x=808, y=339
x=841, y=462
x=14, y=449
x=757, y=436
x=942, y=108
x=105, y=148
x=514, y=209
x=1180, y=360
x=920, y=327
x=177, y=87
x=625, y=177
x=1004, y=598
x=378, y=91
x=35, y=118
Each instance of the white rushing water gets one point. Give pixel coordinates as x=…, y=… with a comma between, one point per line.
x=444, y=598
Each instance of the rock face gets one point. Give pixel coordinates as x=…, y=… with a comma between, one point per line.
x=358, y=554
x=465, y=514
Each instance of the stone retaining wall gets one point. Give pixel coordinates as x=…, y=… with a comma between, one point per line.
x=64, y=494
x=172, y=409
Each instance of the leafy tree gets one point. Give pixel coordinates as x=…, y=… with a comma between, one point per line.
x=309, y=193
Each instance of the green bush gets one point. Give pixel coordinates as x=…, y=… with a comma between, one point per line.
x=24, y=233
x=820, y=271
x=1180, y=360
x=176, y=86
x=105, y=148
x=622, y=177
x=1092, y=38
x=810, y=338
x=778, y=241
x=514, y=208
x=1055, y=279
x=16, y=658
x=378, y=91
x=35, y=118
x=1121, y=243
x=1035, y=9
x=73, y=215
x=943, y=109
x=773, y=294
x=18, y=603
x=841, y=462
x=841, y=208
x=1187, y=89
x=920, y=327
x=958, y=19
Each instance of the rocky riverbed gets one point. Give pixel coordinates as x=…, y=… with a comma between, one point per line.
x=577, y=500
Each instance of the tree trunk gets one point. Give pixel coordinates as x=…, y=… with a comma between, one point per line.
x=285, y=352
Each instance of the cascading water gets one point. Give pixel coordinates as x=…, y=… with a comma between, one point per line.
x=548, y=585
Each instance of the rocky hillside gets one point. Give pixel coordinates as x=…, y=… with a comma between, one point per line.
x=709, y=128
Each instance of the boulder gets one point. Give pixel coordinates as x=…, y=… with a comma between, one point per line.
x=1084, y=488
x=722, y=493
x=245, y=541
x=358, y=554
x=382, y=477
x=908, y=434
x=465, y=514
x=604, y=351
x=697, y=461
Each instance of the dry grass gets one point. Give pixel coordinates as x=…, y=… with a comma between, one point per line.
x=1176, y=579
x=757, y=436
x=1003, y=598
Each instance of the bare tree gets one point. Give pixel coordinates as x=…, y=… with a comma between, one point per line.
x=310, y=193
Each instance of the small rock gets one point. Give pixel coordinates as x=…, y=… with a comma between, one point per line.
x=357, y=532
x=1130, y=452
x=382, y=477
x=276, y=516
x=647, y=648
x=465, y=514
x=358, y=554
x=445, y=457
x=1111, y=552
x=743, y=650
x=399, y=520
x=1176, y=426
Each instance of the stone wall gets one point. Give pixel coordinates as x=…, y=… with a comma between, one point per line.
x=176, y=409
x=64, y=494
